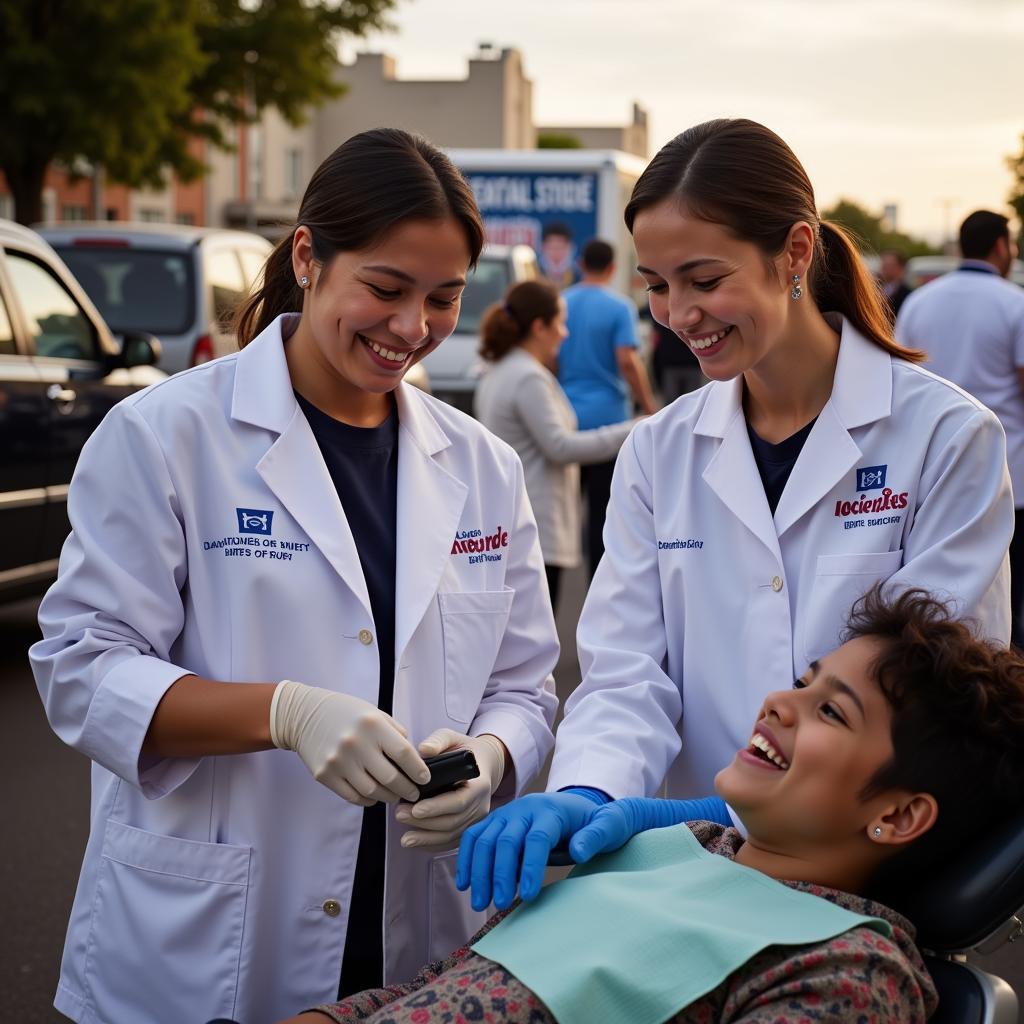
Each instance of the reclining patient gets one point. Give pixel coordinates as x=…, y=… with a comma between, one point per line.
x=886, y=757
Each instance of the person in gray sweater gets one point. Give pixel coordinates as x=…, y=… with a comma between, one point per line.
x=520, y=400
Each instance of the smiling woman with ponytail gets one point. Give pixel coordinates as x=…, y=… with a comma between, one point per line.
x=733, y=551
x=264, y=627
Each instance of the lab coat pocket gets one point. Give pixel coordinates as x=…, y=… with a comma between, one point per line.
x=838, y=581
x=473, y=623
x=452, y=918
x=165, y=909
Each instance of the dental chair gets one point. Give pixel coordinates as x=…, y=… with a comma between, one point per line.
x=973, y=905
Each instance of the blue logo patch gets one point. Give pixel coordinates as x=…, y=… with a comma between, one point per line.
x=871, y=478
x=254, y=520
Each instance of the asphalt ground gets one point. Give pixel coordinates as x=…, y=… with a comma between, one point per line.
x=45, y=797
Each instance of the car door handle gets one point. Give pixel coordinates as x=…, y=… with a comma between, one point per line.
x=61, y=395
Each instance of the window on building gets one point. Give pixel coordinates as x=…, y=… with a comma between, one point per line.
x=71, y=211
x=151, y=215
x=292, y=173
x=59, y=326
x=111, y=213
x=185, y=218
x=255, y=162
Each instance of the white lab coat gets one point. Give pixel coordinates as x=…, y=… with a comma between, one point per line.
x=206, y=885
x=703, y=604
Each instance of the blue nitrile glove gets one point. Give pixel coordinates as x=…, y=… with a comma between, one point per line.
x=612, y=825
x=523, y=831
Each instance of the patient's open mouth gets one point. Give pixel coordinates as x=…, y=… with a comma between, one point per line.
x=762, y=748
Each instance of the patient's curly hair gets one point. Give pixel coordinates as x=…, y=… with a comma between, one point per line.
x=957, y=719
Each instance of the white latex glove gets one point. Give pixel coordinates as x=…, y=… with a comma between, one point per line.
x=349, y=745
x=439, y=821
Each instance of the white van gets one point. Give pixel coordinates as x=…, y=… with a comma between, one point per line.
x=179, y=283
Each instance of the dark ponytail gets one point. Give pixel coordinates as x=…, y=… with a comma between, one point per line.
x=368, y=185
x=739, y=174
x=507, y=324
x=840, y=281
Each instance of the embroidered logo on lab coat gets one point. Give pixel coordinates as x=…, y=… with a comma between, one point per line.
x=871, y=478
x=480, y=546
x=255, y=520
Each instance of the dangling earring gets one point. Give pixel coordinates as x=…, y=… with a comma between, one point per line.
x=878, y=831
x=796, y=292
x=303, y=281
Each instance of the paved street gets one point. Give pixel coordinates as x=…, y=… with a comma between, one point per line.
x=45, y=795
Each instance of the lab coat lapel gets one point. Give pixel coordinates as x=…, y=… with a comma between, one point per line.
x=861, y=394
x=732, y=473
x=293, y=467
x=430, y=504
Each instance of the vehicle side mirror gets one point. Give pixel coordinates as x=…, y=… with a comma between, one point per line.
x=139, y=349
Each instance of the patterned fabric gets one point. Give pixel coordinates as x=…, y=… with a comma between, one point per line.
x=859, y=977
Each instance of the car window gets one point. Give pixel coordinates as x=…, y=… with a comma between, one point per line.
x=57, y=323
x=136, y=289
x=7, y=347
x=486, y=285
x=224, y=274
x=252, y=265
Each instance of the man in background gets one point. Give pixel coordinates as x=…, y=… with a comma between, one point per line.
x=891, y=272
x=599, y=367
x=971, y=324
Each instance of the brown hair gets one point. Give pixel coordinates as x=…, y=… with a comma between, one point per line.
x=739, y=174
x=370, y=183
x=506, y=325
x=957, y=721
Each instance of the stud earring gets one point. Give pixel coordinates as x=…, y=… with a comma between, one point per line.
x=878, y=831
x=303, y=281
x=796, y=292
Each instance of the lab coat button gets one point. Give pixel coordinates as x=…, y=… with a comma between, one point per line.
x=776, y=583
x=332, y=908
x=365, y=637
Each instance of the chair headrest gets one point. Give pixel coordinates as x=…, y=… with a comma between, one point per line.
x=962, y=903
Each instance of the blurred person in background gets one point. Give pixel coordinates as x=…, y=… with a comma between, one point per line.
x=521, y=401
x=971, y=324
x=892, y=269
x=675, y=368
x=557, y=256
x=600, y=368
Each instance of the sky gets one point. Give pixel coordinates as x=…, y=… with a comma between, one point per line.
x=913, y=102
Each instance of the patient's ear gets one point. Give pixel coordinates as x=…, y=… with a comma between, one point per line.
x=905, y=820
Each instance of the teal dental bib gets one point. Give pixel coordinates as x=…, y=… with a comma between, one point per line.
x=647, y=930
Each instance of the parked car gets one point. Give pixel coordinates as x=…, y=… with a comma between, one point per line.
x=179, y=283
x=61, y=369
x=455, y=366
x=922, y=269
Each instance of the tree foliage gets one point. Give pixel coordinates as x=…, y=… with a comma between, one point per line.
x=870, y=232
x=128, y=84
x=557, y=140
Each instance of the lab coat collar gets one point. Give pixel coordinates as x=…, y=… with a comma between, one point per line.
x=861, y=390
x=861, y=394
x=430, y=499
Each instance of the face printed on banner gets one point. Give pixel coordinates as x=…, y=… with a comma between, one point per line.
x=716, y=292
x=371, y=314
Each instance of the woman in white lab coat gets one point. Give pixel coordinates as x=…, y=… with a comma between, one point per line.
x=290, y=548
x=521, y=401
x=747, y=517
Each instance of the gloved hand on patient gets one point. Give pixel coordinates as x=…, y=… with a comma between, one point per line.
x=512, y=846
